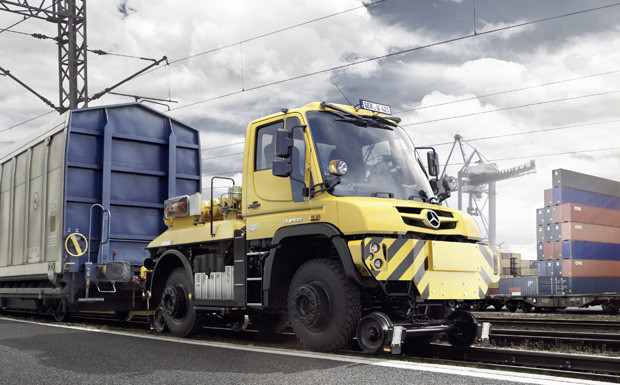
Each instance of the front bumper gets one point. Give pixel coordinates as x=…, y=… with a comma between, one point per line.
x=440, y=270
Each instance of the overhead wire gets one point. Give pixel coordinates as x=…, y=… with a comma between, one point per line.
x=346, y=65
x=509, y=108
x=530, y=132
x=508, y=91
x=391, y=54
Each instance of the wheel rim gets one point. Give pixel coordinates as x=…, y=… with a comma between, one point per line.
x=372, y=332
x=312, y=305
x=174, y=301
x=159, y=322
x=465, y=329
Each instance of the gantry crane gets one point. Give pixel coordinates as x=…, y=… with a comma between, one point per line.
x=478, y=178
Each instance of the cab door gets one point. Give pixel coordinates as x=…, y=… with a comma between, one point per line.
x=266, y=193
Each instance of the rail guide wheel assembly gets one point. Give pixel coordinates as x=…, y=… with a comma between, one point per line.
x=376, y=332
x=465, y=330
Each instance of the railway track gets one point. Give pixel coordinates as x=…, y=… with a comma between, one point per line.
x=581, y=366
x=553, y=323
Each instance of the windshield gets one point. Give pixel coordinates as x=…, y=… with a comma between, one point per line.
x=381, y=161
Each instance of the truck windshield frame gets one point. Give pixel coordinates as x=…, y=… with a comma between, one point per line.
x=381, y=160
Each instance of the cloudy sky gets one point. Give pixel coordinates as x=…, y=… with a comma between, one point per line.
x=518, y=80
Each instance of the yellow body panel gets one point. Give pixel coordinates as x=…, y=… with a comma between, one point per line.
x=433, y=266
x=184, y=231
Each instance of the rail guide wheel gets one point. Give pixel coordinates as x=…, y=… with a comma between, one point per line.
x=159, y=322
x=465, y=329
x=374, y=332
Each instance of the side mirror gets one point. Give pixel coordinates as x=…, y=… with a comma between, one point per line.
x=433, y=163
x=284, y=143
x=281, y=168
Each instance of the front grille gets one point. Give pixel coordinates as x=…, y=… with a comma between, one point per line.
x=412, y=216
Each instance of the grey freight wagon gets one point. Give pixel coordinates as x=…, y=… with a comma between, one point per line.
x=81, y=198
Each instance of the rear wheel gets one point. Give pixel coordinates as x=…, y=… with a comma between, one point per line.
x=60, y=312
x=324, y=307
x=177, y=305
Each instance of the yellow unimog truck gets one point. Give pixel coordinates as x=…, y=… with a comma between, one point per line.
x=336, y=230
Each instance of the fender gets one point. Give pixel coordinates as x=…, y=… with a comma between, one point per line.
x=169, y=261
x=326, y=229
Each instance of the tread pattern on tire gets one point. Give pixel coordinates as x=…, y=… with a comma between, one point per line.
x=351, y=293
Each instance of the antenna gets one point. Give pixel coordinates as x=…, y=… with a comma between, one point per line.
x=345, y=96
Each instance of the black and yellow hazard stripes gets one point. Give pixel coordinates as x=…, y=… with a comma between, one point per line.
x=440, y=270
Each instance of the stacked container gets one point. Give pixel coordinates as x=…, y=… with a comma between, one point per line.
x=578, y=235
x=518, y=276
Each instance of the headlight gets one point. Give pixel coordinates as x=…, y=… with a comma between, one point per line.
x=374, y=248
x=450, y=183
x=338, y=167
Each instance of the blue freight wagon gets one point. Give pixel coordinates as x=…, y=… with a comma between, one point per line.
x=81, y=198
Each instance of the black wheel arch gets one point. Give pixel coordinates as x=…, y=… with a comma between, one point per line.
x=166, y=264
x=278, y=270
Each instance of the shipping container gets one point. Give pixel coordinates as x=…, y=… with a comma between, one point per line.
x=99, y=175
x=557, y=267
x=540, y=251
x=571, y=212
x=548, y=197
x=541, y=268
x=590, y=268
x=548, y=237
x=529, y=271
x=545, y=285
x=563, y=195
x=579, y=181
x=587, y=285
x=573, y=231
x=544, y=216
x=540, y=234
x=518, y=286
x=493, y=291
x=557, y=250
x=590, y=250
x=548, y=253
x=555, y=235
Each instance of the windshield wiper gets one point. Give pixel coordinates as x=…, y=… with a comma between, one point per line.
x=363, y=120
x=363, y=123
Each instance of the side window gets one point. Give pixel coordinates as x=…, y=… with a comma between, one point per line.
x=265, y=152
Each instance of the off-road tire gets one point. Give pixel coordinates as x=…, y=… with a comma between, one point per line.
x=331, y=324
x=187, y=321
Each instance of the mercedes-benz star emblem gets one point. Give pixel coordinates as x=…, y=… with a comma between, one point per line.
x=433, y=219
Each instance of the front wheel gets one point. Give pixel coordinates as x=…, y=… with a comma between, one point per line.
x=324, y=307
x=177, y=305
